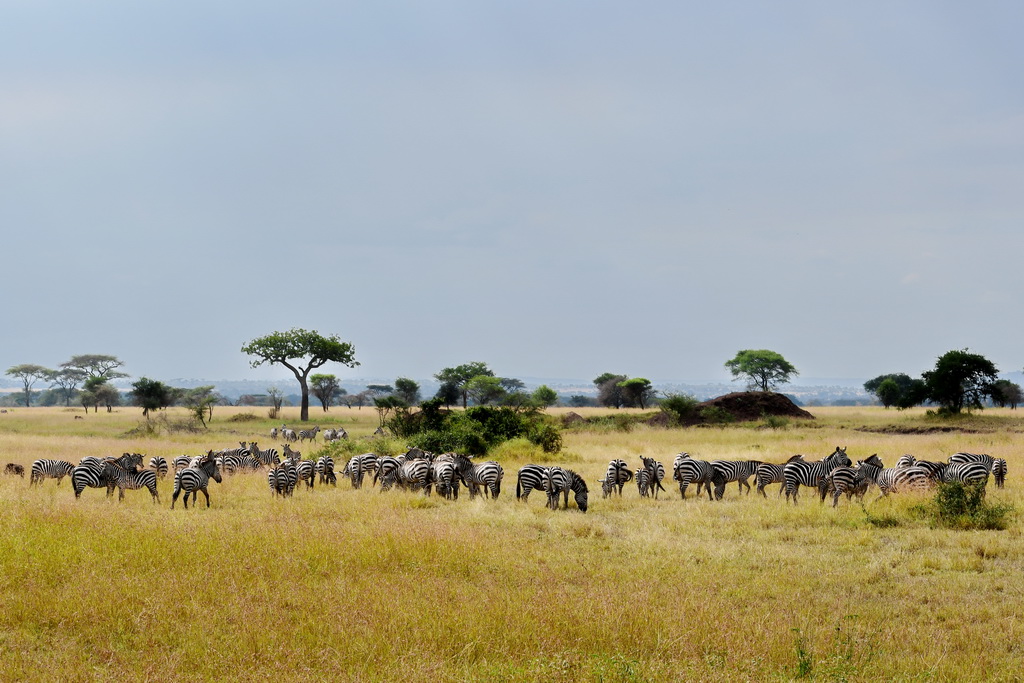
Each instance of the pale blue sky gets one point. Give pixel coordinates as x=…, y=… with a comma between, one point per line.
x=558, y=189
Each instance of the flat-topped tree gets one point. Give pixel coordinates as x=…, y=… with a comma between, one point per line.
x=29, y=374
x=300, y=351
x=96, y=365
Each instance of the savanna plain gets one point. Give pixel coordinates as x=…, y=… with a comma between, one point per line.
x=344, y=584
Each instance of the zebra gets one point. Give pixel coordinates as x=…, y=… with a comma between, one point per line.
x=442, y=474
x=181, y=462
x=848, y=480
x=325, y=470
x=266, y=458
x=289, y=435
x=657, y=471
x=305, y=470
x=735, y=470
x=559, y=482
x=379, y=431
x=770, y=473
x=330, y=435
x=532, y=477
x=289, y=454
x=643, y=481
x=309, y=434
x=905, y=460
x=340, y=434
x=192, y=479
x=94, y=476
x=686, y=471
x=997, y=466
x=414, y=474
x=52, y=469
x=159, y=465
x=273, y=432
x=617, y=474
x=358, y=466
x=801, y=472
x=134, y=480
x=287, y=477
x=966, y=473
x=486, y=474
x=14, y=468
x=386, y=472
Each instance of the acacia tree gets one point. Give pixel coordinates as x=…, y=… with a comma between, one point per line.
x=29, y=374
x=544, y=396
x=200, y=402
x=637, y=391
x=96, y=365
x=609, y=391
x=325, y=388
x=1007, y=393
x=300, y=351
x=459, y=377
x=407, y=390
x=485, y=389
x=763, y=369
x=151, y=394
x=67, y=380
x=960, y=380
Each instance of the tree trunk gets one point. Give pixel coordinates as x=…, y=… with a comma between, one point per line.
x=304, y=412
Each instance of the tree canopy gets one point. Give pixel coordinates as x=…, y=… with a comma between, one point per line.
x=300, y=351
x=763, y=369
x=459, y=376
x=637, y=391
x=1007, y=393
x=96, y=365
x=150, y=394
x=544, y=396
x=897, y=389
x=326, y=388
x=408, y=390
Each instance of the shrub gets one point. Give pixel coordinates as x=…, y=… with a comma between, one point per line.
x=716, y=415
x=547, y=436
x=963, y=506
x=244, y=417
x=776, y=422
x=681, y=408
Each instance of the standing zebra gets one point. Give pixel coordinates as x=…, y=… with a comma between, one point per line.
x=358, y=466
x=95, y=476
x=309, y=434
x=997, y=466
x=999, y=471
x=530, y=478
x=801, y=472
x=443, y=475
x=735, y=470
x=770, y=473
x=687, y=471
x=325, y=470
x=192, y=479
x=181, y=462
x=657, y=471
x=643, y=481
x=49, y=469
x=561, y=481
x=289, y=435
x=617, y=474
x=159, y=465
x=135, y=480
x=486, y=474
x=386, y=472
x=966, y=473
x=414, y=474
x=266, y=458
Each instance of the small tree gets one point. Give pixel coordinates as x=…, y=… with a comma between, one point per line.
x=637, y=391
x=29, y=374
x=544, y=396
x=96, y=366
x=276, y=397
x=460, y=375
x=301, y=352
x=67, y=380
x=448, y=393
x=106, y=395
x=1006, y=393
x=609, y=391
x=200, y=402
x=897, y=389
x=763, y=369
x=325, y=388
x=485, y=389
x=960, y=380
x=888, y=392
x=150, y=394
x=407, y=390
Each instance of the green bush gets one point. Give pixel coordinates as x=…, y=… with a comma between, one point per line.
x=716, y=415
x=547, y=436
x=681, y=408
x=776, y=422
x=963, y=506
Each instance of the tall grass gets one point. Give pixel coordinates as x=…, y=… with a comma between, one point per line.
x=358, y=585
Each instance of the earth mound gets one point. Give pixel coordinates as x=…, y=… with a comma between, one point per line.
x=747, y=406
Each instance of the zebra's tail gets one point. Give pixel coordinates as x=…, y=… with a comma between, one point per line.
x=519, y=488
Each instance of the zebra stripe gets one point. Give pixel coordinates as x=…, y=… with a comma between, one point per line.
x=486, y=474
x=159, y=465
x=968, y=473
x=386, y=472
x=414, y=474
x=686, y=471
x=94, y=476
x=309, y=434
x=325, y=470
x=49, y=469
x=657, y=471
x=193, y=479
x=530, y=478
x=617, y=474
x=134, y=481
x=643, y=481
x=770, y=473
x=358, y=466
x=801, y=473
x=442, y=473
x=306, y=471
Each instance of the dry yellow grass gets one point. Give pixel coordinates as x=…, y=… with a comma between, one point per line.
x=339, y=584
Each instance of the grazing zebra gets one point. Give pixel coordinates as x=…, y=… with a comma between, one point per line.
x=340, y=433
x=325, y=470
x=134, y=480
x=559, y=482
x=999, y=471
x=643, y=481
x=966, y=473
x=192, y=479
x=657, y=471
x=687, y=471
x=443, y=475
x=49, y=469
x=305, y=470
x=289, y=435
x=486, y=474
x=617, y=474
x=159, y=465
x=934, y=469
x=770, y=473
x=287, y=477
x=386, y=471
x=801, y=472
x=15, y=469
x=330, y=435
x=735, y=470
x=530, y=478
x=181, y=462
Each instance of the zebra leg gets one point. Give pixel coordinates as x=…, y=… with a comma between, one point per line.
x=205, y=494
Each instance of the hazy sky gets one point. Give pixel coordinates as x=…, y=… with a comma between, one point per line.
x=556, y=188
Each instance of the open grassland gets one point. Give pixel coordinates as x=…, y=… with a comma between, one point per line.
x=337, y=584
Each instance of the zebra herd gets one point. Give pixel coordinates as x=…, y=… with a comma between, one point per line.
x=418, y=470
x=292, y=436
x=834, y=474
